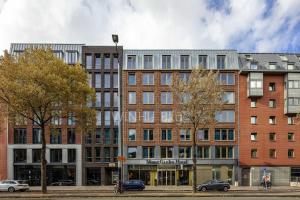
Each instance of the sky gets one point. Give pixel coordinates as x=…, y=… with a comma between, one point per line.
x=244, y=25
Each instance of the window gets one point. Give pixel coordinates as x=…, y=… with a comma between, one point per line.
x=116, y=153
x=148, y=116
x=291, y=153
x=291, y=121
x=20, y=136
x=253, y=103
x=253, y=65
x=131, y=97
x=115, y=61
x=253, y=137
x=202, y=61
x=36, y=155
x=166, y=62
x=224, y=152
x=148, y=79
x=106, y=99
x=131, y=62
x=98, y=136
x=148, y=152
x=228, y=97
x=115, y=80
x=98, y=118
x=185, y=134
x=55, y=136
x=56, y=120
x=224, y=134
x=98, y=99
x=253, y=119
x=97, y=154
x=88, y=61
x=272, y=103
x=166, y=116
x=88, y=154
x=220, y=62
x=115, y=136
x=184, y=152
x=106, y=80
x=256, y=84
x=166, y=152
x=90, y=80
x=116, y=117
x=97, y=80
x=131, y=79
x=97, y=61
x=71, y=155
x=71, y=119
x=131, y=134
x=293, y=101
x=272, y=66
x=203, y=134
x=71, y=136
x=106, y=61
x=294, y=84
x=166, y=79
x=290, y=66
x=132, y=116
x=203, y=152
x=71, y=57
x=88, y=138
x=166, y=134
x=272, y=136
x=106, y=154
x=225, y=116
x=184, y=77
x=132, y=152
x=166, y=98
x=148, y=63
x=106, y=118
x=58, y=54
x=55, y=155
x=20, y=155
x=226, y=78
x=272, y=87
x=291, y=137
x=37, y=136
x=253, y=153
x=148, y=134
x=272, y=120
x=107, y=136
x=148, y=97
x=272, y=153
x=184, y=62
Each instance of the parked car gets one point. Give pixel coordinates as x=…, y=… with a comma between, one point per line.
x=63, y=183
x=93, y=182
x=214, y=185
x=133, y=185
x=14, y=185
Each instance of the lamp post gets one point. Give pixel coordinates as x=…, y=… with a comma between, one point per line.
x=115, y=39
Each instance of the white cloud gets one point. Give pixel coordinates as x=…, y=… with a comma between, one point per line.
x=153, y=24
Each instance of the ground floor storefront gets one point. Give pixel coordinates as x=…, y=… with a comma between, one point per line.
x=100, y=175
x=280, y=176
x=178, y=174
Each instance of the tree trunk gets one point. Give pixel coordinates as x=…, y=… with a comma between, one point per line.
x=43, y=161
x=194, y=162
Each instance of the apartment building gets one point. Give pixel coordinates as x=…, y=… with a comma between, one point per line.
x=100, y=148
x=269, y=98
x=157, y=149
x=63, y=151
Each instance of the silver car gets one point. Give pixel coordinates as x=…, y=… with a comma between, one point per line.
x=12, y=186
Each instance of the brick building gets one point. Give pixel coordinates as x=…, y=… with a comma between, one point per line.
x=158, y=150
x=269, y=98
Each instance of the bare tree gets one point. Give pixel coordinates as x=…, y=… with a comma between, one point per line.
x=199, y=97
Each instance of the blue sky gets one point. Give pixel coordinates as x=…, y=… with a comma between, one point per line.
x=245, y=25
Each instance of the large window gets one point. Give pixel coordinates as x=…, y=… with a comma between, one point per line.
x=115, y=80
x=166, y=78
x=89, y=61
x=55, y=136
x=88, y=154
x=148, y=79
x=148, y=134
x=98, y=136
x=203, y=152
x=107, y=99
x=71, y=119
x=294, y=84
x=221, y=62
x=98, y=118
x=224, y=134
x=202, y=61
x=20, y=155
x=37, y=136
x=106, y=80
x=166, y=152
x=166, y=134
x=131, y=62
x=71, y=155
x=131, y=79
x=36, y=155
x=20, y=136
x=106, y=61
x=148, y=97
x=132, y=116
x=185, y=134
x=107, y=118
x=256, y=84
x=203, y=134
x=106, y=154
x=55, y=155
x=148, y=152
x=71, y=136
x=166, y=62
x=131, y=134
x=148, y=62
x=226, y=79
x=132, y=152
x=184, y=152
x=115, y=61
x=225, y=116
x=184, y=62
x=88, y=138
x=166, y=98
x=293, y=101
x=107, y=136
x=97, y=80
x=98, y=99
x=166, y=116
x=131, y=97
x=97, y=61
x=184, y=77
x=148, y=116
x=72, y=57
x=224, y=152
x=97, y=154
x=228, y=98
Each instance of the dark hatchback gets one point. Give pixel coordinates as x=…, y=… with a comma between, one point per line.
x=133, y=185
x=214, y=185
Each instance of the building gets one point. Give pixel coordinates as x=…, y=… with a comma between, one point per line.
x=269, y=98
x=100, y=149
x=63, y=151
x=157, y=149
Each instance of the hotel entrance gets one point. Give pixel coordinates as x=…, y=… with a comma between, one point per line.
x=166, y=177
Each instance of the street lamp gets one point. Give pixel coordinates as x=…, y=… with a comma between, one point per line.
x=115, y=39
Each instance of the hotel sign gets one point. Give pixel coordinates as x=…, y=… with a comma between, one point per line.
x=167, y=162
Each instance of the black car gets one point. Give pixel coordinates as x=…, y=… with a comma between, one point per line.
x=133, y=185
x=214, y=185
x=63, y=183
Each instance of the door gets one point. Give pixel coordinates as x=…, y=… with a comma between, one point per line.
x=166, y=177
x=246, y=177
